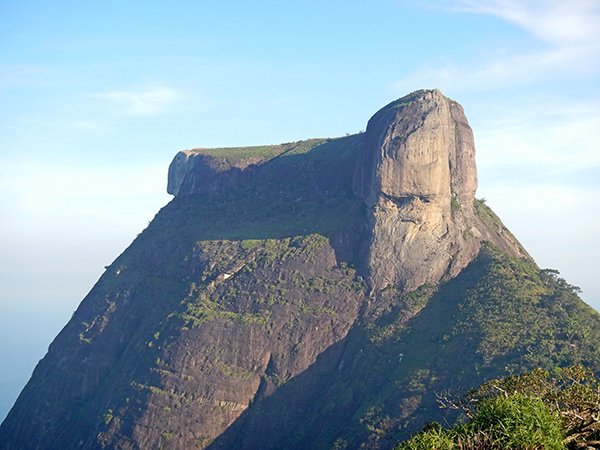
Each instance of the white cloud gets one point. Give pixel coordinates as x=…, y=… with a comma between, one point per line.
x=569, y=30
x=557, y=21
x=539, y=169
x=557, y=224
x=37, y=194
x=507, y=71
x=148, y=101
x=547, y=138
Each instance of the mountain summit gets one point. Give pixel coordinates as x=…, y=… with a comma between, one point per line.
x=312, y=294
x=416, y=173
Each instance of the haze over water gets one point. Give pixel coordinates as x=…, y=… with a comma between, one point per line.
x=25, y=339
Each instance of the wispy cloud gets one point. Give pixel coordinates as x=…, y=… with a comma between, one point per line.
x=555, y=21
x=103, y=114
x=549, y=138
x=503, y=72
x=147, y=101
x=537, y=151
x=570, y=32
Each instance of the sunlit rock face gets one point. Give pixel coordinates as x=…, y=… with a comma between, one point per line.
x=417, y=175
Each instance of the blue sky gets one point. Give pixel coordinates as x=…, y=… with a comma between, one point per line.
x=97, y=97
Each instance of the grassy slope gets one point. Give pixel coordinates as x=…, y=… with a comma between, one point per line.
x=501, y=315
x=262, y=152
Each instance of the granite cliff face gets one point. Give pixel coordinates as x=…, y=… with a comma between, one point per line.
x=210, y=170
x=308, y=295
x=204, y=174
x=416, y=173
x=194, y=172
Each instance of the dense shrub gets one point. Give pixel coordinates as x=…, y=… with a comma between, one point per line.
x=535, y=410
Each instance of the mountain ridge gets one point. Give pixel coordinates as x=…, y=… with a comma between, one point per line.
x=314, y=298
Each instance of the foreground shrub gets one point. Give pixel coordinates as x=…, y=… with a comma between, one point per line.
x=535, y=410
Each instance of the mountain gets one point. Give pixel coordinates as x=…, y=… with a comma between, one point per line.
x=313, y=294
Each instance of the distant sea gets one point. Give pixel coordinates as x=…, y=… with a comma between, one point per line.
x=26, y=330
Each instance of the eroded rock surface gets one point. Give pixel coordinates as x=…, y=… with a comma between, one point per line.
x=417, y=175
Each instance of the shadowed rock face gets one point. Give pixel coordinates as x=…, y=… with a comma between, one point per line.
x=416, y=174
x=191, y=172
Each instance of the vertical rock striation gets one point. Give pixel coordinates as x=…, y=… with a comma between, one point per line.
x=417, y=176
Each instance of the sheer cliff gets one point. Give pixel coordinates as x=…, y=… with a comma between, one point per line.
x=313, y=294
x=416, y=173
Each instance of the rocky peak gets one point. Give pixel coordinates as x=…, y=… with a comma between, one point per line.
x=418, y=146
x=416, y=173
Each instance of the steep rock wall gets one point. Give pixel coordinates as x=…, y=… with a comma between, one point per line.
x=416, y=174
x=195, y=173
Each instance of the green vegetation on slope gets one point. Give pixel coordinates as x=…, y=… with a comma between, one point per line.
x=526, y=317
x=512, y=422
x=501, y=315
x=249, y=214
x=206, y=301
x=493, y=222
x=509, y=314
x=262, y=152
x=533, y=410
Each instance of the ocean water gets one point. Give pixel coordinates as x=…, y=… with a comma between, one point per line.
x=26, y=330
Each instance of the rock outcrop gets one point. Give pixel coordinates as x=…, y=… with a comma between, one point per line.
x=416, y=173
x=214, y=170
x=192, y=172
